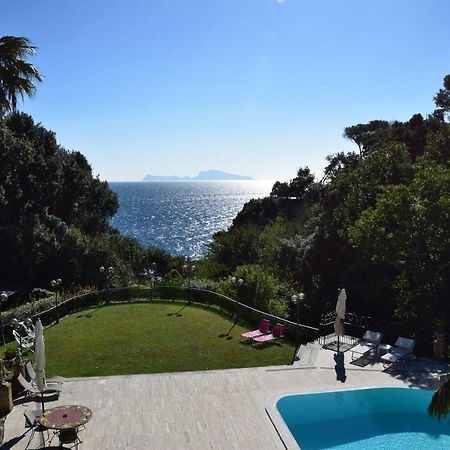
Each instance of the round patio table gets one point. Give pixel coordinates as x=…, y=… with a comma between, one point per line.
x=68, y=416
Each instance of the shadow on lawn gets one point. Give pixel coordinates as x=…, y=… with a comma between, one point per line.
x=177, y=313
x=90, y=312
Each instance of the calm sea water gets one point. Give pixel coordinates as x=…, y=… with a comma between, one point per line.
x=181, y=217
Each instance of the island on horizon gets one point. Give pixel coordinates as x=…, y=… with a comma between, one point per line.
x=206, y=175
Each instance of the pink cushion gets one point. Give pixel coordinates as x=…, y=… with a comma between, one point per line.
x=265, y=338
x=251, y=334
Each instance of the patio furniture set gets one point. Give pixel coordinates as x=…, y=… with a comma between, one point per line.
x=64, y=421
x=389, y=354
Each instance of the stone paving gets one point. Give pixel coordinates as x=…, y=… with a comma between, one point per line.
x=221, y=409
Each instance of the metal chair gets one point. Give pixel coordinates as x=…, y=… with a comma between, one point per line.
x=32, y=422
x=69, y=436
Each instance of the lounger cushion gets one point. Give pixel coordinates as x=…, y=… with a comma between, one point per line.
x=265, y=338
x=251, y=334
x=405, y=343
x=372, y=336
x=363, y=348
x=395, y=354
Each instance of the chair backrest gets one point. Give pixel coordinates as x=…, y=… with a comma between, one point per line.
x=373, y=337
x=17, y=337
x=278, y=330
x=31, y=417
x=405, y=343
x=30, y=370
x=264, y=326
x=68, y=435
x=25, y=384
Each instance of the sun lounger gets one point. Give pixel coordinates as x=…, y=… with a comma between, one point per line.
x=263, y=329
x=402, y=349
x=277, y=333
x=370, y=341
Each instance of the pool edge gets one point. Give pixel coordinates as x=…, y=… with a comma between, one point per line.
x=285, y=435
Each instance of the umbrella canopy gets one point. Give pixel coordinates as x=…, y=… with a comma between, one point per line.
x=39, y=352
x=340, y=313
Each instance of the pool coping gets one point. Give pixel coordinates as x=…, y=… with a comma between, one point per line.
x=280, y=425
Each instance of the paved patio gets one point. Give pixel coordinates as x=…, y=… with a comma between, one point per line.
x=222, y=409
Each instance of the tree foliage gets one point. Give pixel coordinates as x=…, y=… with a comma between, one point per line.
x=377, y=223
x=54, y=212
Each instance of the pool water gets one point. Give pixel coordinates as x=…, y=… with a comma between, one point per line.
x=363, y=419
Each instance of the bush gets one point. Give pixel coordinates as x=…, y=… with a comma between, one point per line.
x=259, y=289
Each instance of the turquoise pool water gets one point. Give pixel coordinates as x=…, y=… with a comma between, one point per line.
x=363, y=419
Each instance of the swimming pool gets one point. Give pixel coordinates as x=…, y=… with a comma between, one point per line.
x=363, y=419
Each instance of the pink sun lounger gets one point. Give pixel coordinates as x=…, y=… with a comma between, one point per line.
x=263, y=329
x=277, y=333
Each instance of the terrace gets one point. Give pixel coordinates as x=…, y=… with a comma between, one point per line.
x=179, y=409
x=220, y=409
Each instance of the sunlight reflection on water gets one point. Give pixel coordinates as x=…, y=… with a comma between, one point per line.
x=181, y=217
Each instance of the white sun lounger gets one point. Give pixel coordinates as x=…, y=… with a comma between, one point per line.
x=402, y=349
x=370, y=341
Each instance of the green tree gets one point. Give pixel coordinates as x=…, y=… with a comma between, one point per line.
x=442, y=99
x=17, y=76
x=409, y=230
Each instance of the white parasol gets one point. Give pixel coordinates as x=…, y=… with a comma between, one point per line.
x=39, y=353
x=339, y=329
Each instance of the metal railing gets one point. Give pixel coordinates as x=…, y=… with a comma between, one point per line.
x=239, y=311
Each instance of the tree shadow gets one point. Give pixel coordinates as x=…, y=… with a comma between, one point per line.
x=90, y=312
x=418, y=372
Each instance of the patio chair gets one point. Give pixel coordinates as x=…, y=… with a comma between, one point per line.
x=370, y=341
x=33, y=391
x=50, y=381
x=69, y=436
x=402, y=349
x=33, y=424
x=277, y=333
x=263, y=329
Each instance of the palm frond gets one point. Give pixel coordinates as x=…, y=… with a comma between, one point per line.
x=439, y=406
x=17, y=76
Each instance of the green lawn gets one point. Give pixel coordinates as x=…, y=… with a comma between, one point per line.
x=149, y=338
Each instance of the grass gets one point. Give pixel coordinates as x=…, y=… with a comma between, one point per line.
x=150, y=338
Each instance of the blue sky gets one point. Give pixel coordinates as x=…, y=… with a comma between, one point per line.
x=258, y=87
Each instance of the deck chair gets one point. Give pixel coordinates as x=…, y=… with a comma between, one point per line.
x=370, y=341
x=33, y=391
x=277, y=333
x=402, y=349
x=25, y=342
x=263, y=329
x=50, y=381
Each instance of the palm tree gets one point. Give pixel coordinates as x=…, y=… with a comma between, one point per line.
x=440, y=403
x=17, y=77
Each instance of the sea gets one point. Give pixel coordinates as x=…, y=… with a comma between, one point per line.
x=181, y=217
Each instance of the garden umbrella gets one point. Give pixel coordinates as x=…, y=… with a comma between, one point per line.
x=340, y=314
x=39, y=353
